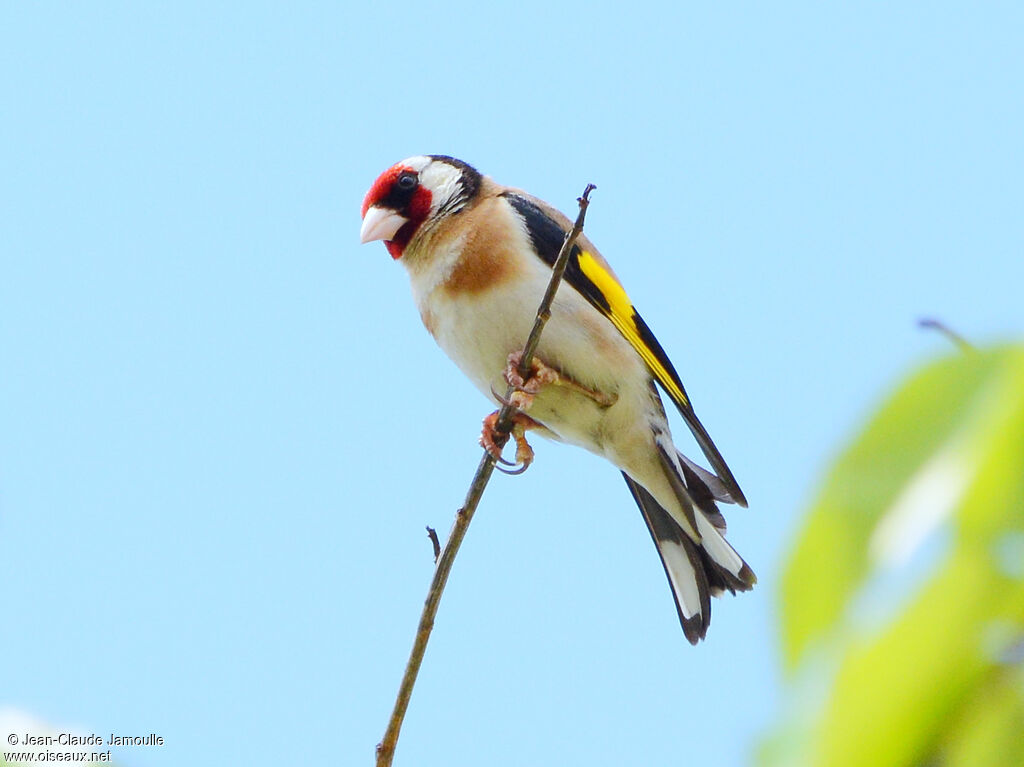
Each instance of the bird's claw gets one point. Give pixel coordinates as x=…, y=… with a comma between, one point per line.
x=537, y=376
x=512, y=472
x=541, y=375
x=492, y=440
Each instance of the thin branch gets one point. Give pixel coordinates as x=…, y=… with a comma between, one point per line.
x=933, y=324
x=386, y=748
x=544, y=310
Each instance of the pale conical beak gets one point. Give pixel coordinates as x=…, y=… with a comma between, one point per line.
x=380, y=224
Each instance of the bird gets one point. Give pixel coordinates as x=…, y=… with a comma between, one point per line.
x=479, y=257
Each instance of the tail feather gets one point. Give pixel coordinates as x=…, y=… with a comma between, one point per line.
x=695, y=570
x=716, y=489
x=683, y=565
x=692, y=490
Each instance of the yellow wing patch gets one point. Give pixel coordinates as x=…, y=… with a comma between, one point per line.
x=622, y=317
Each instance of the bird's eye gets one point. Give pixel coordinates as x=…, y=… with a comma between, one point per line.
x=407, y=182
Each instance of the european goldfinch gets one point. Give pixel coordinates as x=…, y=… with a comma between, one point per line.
x=479, y=256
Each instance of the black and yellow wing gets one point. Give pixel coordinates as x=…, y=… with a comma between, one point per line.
x=588, y=273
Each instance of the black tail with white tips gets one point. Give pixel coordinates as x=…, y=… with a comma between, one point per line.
x=696, y=571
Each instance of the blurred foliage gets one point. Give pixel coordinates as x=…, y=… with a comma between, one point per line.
x=903, y=602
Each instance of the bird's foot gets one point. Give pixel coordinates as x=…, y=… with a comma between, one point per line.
x=541, y=375
x=492, y=440
x=538, y=376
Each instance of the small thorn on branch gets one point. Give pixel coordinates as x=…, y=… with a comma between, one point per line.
x=432, y=534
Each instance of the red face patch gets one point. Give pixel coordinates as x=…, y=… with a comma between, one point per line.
x=382, y=186
x=398, y=189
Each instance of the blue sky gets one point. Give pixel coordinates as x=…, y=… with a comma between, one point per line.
x=223, y=430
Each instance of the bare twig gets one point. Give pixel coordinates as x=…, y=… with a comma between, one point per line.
x=386, y=748
x=933, y=324
x=432, y=535
x=544, y=310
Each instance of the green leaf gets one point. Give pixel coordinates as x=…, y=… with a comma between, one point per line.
x=923, y=436
x=990, y=726
x=896, y=696
x=893, y=697
x=937, y=685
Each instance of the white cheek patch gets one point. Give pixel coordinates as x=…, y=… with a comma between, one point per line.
x=417, y=163
x=443, y=181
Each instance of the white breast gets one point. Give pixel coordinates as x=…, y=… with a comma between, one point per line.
x=478, y=331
